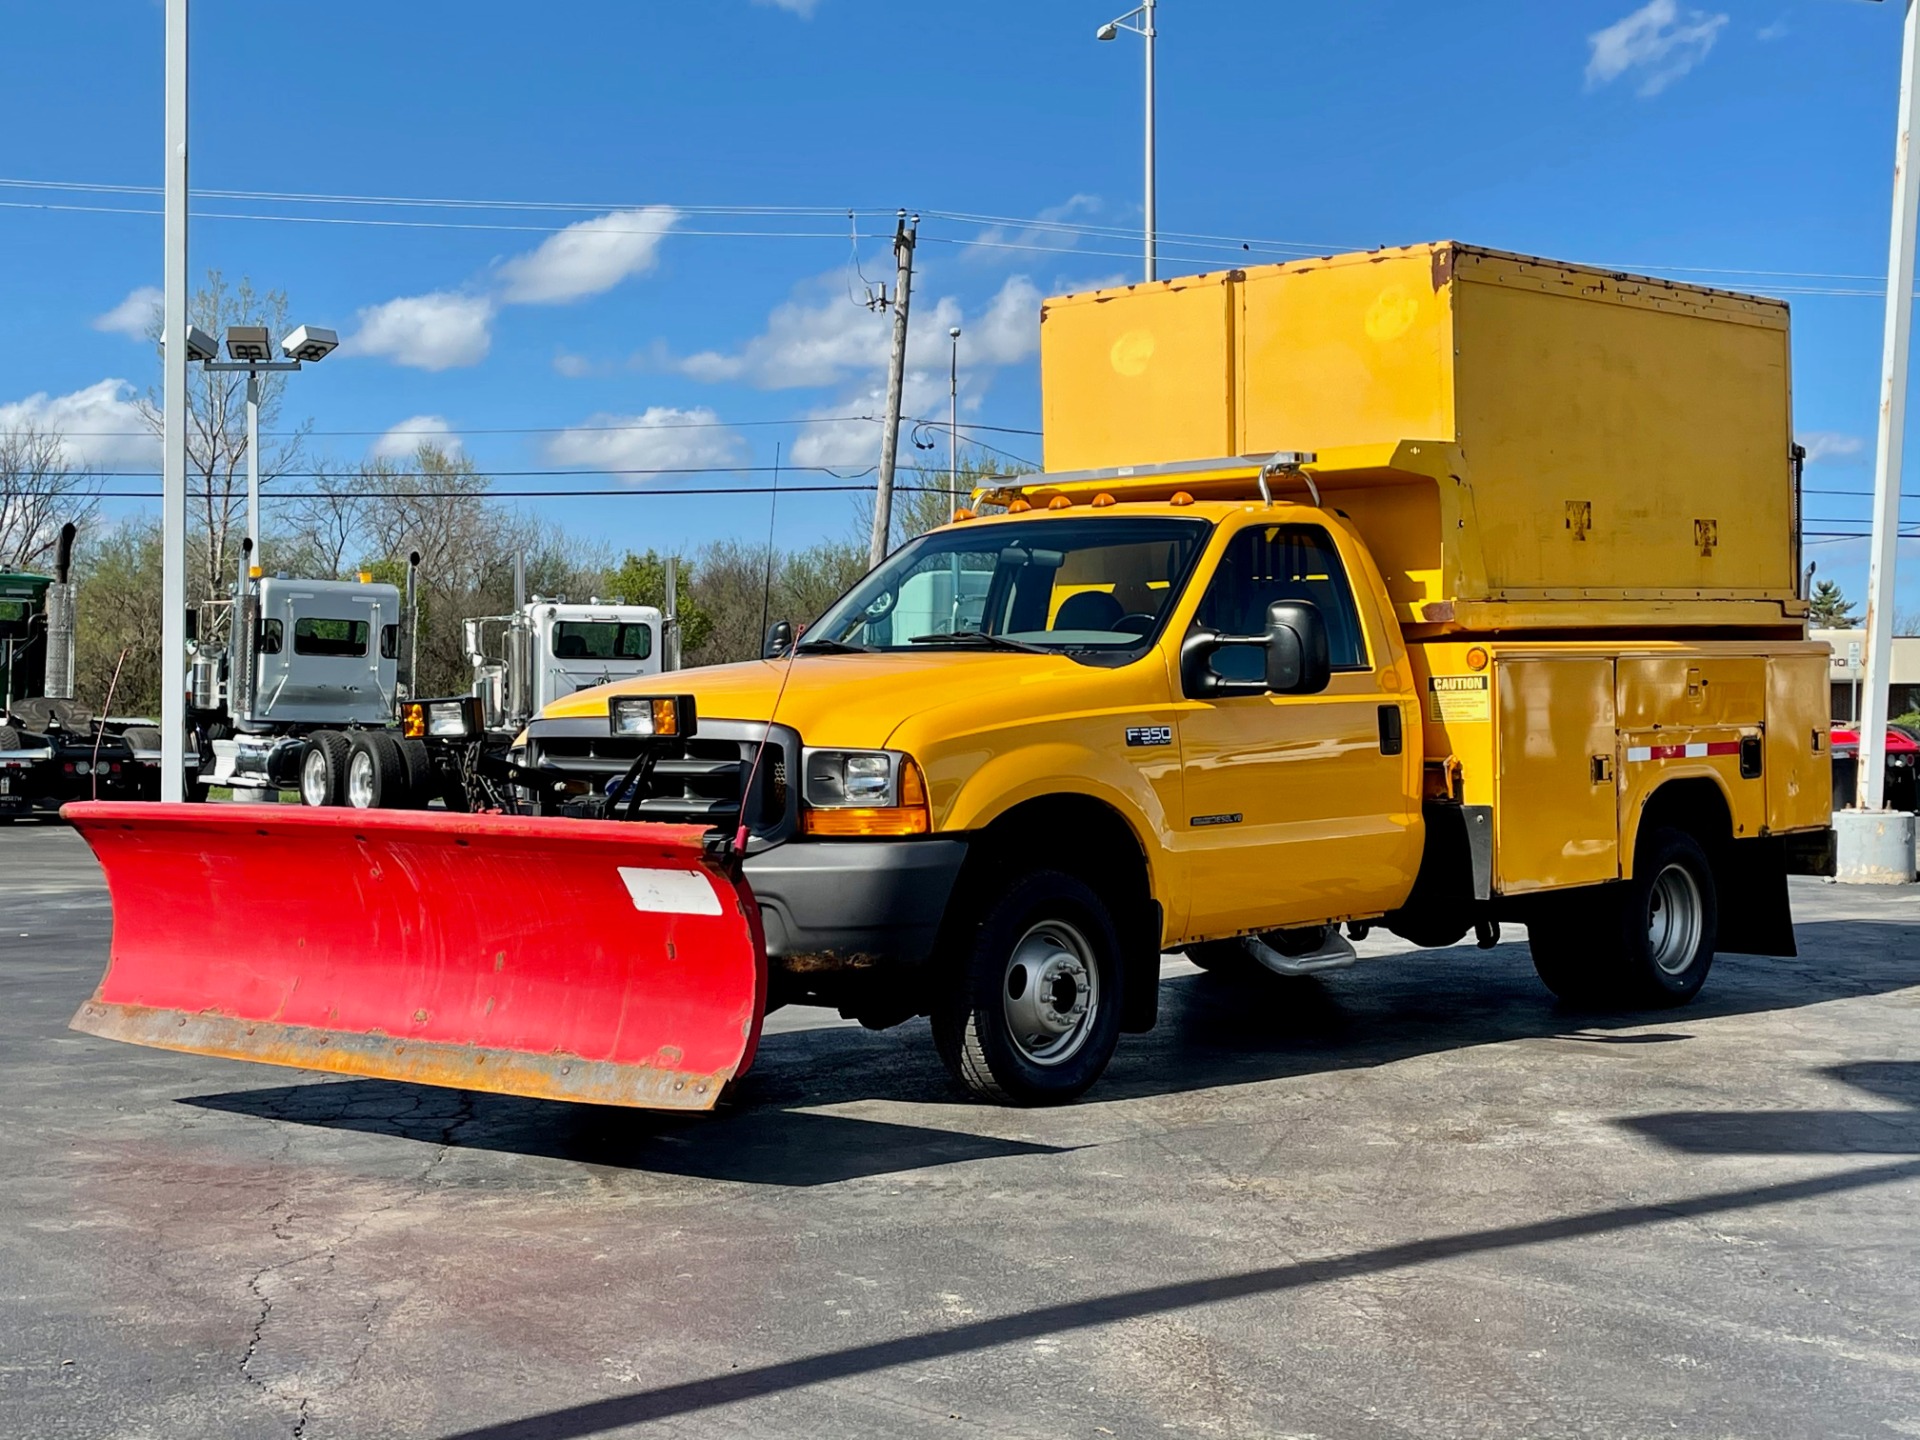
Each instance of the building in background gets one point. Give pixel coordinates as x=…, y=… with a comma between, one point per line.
x=1846, y=672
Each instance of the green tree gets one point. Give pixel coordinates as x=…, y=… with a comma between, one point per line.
x=1829, y=609
x=642, y=580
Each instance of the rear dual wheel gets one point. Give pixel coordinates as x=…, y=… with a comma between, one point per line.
x=1032, y=1011
x=1644, y=943
x=366, y=770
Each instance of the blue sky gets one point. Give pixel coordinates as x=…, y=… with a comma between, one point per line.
x=1690, y=140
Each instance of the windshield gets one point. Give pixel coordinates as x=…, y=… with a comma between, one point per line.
x=601, y=640
x=1102, y=584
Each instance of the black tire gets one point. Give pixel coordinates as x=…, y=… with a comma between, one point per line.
x=323, y=769
x=9, y=738
x=376, y=773
x=1645, y=943
x=423, y=782
x=141, y=737
x=1044, y=954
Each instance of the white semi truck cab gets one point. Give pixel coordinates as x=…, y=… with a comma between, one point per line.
x=546, y=649
x=302, y=656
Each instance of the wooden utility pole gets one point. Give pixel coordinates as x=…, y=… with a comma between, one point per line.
x=904, y=233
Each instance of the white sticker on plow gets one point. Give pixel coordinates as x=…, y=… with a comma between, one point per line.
x=670, y=892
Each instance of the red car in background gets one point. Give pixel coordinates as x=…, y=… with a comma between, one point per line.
x=1903, y=766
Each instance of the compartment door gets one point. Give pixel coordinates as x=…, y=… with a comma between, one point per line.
x=1556, y=814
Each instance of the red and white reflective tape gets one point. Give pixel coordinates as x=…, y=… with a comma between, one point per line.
x=1694, y=751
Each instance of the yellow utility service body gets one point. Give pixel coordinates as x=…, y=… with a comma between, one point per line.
x=1429, y=588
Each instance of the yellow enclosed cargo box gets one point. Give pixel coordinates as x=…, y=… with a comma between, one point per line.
x=1510, y=434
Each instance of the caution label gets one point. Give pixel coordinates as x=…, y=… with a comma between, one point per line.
x=1459, y=697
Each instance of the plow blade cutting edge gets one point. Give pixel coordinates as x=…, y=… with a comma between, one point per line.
x=567, y=959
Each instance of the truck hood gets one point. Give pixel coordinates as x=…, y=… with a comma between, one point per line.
x=857, y=701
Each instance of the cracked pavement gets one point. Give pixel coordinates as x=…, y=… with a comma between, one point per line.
x=1410, y=1199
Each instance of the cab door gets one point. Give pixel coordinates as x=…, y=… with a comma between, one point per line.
x=1298, y=808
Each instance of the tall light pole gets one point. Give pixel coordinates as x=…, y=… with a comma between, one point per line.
x=1139, y=20
x=953, y=422
x=1873, y=844
x=250, y=350
x=173, y=436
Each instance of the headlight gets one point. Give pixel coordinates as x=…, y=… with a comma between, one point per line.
x=863, y=792
x=458, y=719
x=666, y=717
x=849, y=777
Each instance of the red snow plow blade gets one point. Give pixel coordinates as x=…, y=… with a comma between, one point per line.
x=567, y=959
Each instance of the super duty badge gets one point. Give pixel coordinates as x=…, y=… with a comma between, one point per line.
x=1149, y=735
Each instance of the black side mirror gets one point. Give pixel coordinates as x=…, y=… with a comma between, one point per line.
x=1297, y=662
x=1294, y=651
x=779, y=640
x=193, y=623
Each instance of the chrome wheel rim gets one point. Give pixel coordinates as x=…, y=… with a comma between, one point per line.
x=313, y=778
x=360, y=780
x=1050, y=993
x=1674, y=919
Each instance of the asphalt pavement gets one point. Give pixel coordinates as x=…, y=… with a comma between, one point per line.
x=1411, y=1199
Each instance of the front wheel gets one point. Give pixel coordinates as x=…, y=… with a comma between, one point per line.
x=1033, y=1013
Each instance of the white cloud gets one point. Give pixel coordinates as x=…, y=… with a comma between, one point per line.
x=1658, y=42
x=803, y=8
x=588, y=258
x=659, y=438
x=809, y=344
x=100, y=425
x=1042, y=233
x=1778, y=30
x=804, y=344
x=831, y=440
x=410, y=434
x=439, y=331
x=1009, y=331
x=135, y=315
x=1831, y=445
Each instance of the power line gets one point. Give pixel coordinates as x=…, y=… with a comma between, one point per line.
x=1026, y=225
x=216, y=496
x=456, y=431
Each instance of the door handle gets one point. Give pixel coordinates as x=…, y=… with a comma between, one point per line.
x=1390, y=736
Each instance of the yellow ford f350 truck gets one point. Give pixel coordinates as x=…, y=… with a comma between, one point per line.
x=1490, y=611
x=1425, y=588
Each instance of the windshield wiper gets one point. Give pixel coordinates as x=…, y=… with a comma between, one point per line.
x=981, y=638
x=832, y=647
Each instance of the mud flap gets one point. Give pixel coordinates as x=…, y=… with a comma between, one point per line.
x=1756, y=916
x=566, y=959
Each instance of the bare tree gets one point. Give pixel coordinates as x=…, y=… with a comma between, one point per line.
x=40, y=490
x=217, y=424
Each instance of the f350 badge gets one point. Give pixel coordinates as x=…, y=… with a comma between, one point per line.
x=1149, y=735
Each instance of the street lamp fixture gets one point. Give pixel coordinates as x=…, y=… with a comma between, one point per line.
x=249, y=342
x=310, y=343
x=250, y=351
x=1139, y=21
x=200, y=345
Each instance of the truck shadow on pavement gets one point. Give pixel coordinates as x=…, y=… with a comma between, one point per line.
x=1803, y=1132
x=1212, y=1033
x=689, y=1397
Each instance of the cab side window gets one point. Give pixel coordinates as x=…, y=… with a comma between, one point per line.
x=1264, y=563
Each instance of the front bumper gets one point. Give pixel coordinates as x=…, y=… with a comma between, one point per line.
x=832, y=905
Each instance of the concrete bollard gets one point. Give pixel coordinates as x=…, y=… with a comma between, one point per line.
x=1875, y=847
